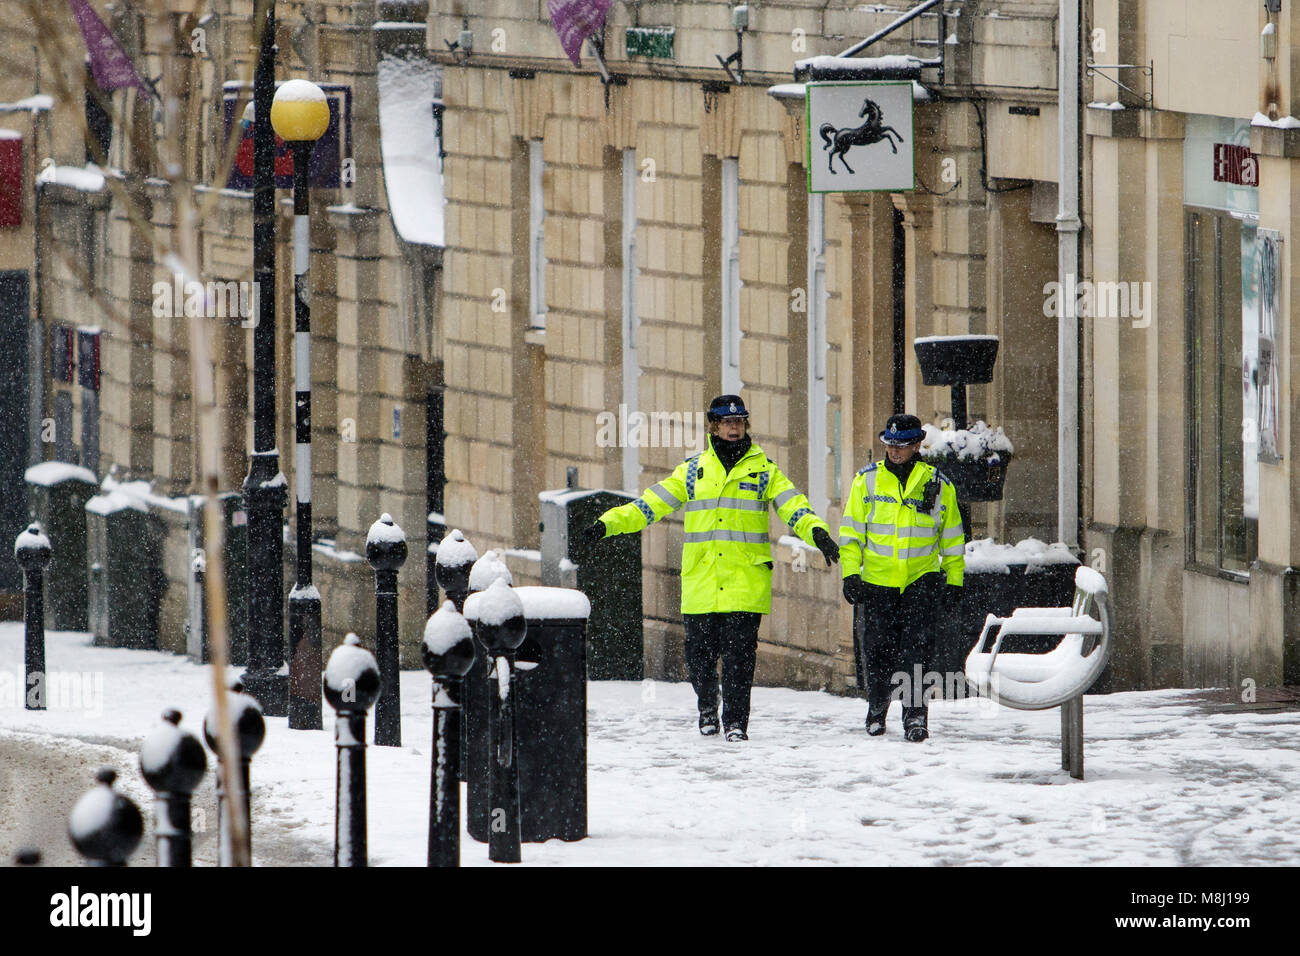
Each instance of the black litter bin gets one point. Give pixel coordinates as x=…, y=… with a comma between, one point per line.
x=550, y=702
x=59, y=493
x=610, y=576
x=125, y=572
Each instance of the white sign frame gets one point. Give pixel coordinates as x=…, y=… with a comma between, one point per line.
x=838, y=108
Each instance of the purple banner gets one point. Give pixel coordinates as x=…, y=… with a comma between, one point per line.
x=575, y=20
x=109, y=64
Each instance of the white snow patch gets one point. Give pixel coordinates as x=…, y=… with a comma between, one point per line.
x=347, y=663
x=325, y=546
x=977, y=442
x=1102, y=105
x=790, y=541
x=553, y=604
x=385, y=531
x=1170, y=781
x=454, y=551
x=954, y=338
x=445, y=627
x=488, y=569
x=10, y=134
x=498, y=604
x=1284, y=122
x=987, y=556
x=28, y=538
x=409, y=144
x=308, y=593
x=53, y=472
x=87, y=179
x=299, y=91
x=35, y=104
x=830, y=63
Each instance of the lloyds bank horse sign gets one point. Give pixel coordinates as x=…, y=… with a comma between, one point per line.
x=854, y=123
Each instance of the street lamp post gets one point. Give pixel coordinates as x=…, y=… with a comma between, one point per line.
x=264, y=488
x=300, y=115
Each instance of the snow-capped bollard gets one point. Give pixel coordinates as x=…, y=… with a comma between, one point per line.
x=386, y=552
x=448, y=652
x=104, y=826
x=32, y=552
x=500, y=629
x=250, y=731
x=172, y=762
x=352, y=682
x=456, y=557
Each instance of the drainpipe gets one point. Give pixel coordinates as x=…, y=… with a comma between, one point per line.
x=1067, y=266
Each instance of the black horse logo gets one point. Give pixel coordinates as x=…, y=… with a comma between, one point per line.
x=839, y=141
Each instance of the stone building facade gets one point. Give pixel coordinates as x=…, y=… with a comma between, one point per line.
x=642, y=244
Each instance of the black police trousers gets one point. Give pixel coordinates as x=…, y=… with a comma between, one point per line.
x=899, y=643
x=734, y=637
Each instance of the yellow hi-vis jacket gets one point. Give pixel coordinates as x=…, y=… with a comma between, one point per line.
x=888, y=540
x=726, y=557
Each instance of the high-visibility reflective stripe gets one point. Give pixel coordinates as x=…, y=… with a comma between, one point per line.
x=741, y=504
x=846, y=540
x=916, y=552
x=798, y=515
x=854, y=523
x=952, y=550
x=884, y=549
x=785, y=496
x=719, y=534
x=665, y=494
x=877, y=527
x=917, y=531
x=645, y=509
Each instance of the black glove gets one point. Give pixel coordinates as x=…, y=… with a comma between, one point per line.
x=829, y=549
x=855, y=590
x=592, y=535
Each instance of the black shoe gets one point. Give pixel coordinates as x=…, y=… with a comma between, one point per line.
x=916, y=731
x=708, y=724
x=876, y=722
x=735, y=733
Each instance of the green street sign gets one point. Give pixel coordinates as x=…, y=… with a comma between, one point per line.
x=650, y=41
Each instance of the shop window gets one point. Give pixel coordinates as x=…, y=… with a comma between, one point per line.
x=1223, y=523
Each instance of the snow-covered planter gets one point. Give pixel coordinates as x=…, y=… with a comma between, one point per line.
x=974, y=459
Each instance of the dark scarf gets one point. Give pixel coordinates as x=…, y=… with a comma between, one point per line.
x=730, y=452
x=901, y=472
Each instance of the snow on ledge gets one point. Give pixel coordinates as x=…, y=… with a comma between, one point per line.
x=1285, y=122
x=49, y=473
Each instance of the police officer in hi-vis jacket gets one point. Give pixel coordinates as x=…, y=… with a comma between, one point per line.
x=726, y=556
x=903, y=554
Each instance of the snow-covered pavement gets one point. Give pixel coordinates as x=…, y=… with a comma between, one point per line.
x=1169, y=781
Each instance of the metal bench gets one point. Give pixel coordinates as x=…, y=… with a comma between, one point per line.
x=1057, y=678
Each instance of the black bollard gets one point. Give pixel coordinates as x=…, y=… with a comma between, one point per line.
x=352, y=682
x=250, y=731
x=172, y=762
x=27, y=856
x=448, y=651
x=32, y=551
x=501, y=629
x=386, y=552
x=105, y=826
x=456, y=557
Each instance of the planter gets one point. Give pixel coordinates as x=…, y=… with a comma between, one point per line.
x=976, y=479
